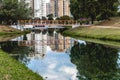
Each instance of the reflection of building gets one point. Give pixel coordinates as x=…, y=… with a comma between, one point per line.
x=35, y=42
x=59, y=42
x=40, y=47
x=38, y=43
x=60, y=7
x=48, y=8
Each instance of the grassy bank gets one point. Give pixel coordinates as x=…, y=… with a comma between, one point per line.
x=104, y=42
x=68, y=27
x=13, y=33
x=112, y=34
x=11, y=69
x=6, y=30
x=8, y=37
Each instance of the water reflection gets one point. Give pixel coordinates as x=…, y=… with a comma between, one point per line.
x=47, y=54
x=55, y=66
x=96, y=62
x=56, y=57
x=16, y=51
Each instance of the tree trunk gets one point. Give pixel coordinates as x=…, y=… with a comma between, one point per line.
x=92, y=21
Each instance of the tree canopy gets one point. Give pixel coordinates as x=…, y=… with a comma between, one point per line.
x=65, y=17
x=50, y=17
x=11, y=11
x=93, y=9
x=95, y=61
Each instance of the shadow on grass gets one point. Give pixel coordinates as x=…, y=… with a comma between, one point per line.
x=105, y=42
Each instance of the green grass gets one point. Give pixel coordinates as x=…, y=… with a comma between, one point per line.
x=101, y=35
x=105, y=42
x=10, y=69
x=68, y=27
x=95, y=33
x=13, y=33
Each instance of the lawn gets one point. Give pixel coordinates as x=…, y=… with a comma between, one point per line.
x=6, y=30
x=10, y=69
x=111, y=34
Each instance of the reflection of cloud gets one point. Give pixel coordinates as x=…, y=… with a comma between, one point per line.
x=70, y=71
x=55, y=66
x=67, y=69
x=51, y=77
x=52, y=66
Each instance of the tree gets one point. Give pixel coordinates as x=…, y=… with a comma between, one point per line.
x=43, y=18
x=95, y=61
x=13, y=10
x=75, y=8
x=50, y=17
x=93, y=9
x=109, y=9
x=65, y=17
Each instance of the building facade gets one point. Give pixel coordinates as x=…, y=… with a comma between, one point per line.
x=48, y=9
x=39, y=8
x=29, y=2
x=60, y=7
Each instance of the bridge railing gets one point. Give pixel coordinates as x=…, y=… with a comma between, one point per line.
x=32, y=22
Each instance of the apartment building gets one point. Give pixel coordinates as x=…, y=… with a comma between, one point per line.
x=48, y=8
x=39, y=8
x=60, y=7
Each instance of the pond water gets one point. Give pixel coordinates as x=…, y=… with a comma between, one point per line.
x=56, y=57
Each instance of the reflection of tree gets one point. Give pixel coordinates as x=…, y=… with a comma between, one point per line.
x=24, y=37
x=18, y=52
x=95, y=61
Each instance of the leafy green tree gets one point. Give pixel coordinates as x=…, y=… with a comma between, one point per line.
x=65, y=17
x=93, y=9
x=44, y=18
x=75, y=8
x=109, y=8
x=95, y=61
x=12, y=10
x=57, y=18
x=50, y=17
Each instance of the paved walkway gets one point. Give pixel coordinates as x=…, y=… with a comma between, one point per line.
x=104, y=27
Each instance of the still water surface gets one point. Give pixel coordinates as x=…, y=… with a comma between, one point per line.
x=56, y=57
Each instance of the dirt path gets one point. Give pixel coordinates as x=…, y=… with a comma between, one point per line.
x=105, y=27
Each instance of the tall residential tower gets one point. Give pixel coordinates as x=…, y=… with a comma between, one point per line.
x=39, y=8
x=60, y=7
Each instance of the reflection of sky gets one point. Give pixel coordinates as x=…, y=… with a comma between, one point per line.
x=118, y=60
x=81, y=41
x=55, y=66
